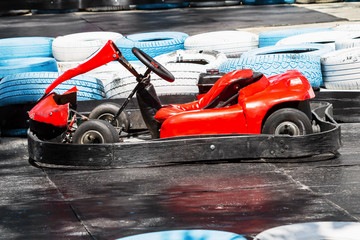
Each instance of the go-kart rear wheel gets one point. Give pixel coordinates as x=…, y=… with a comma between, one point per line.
x=287, y=121
x=95, y=131
x=107, y=111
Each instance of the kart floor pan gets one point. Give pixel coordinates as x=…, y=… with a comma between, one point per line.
x=234, y=147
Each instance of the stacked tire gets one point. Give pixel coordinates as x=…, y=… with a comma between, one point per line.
x=324, y=37
x=231, y=43
x=278, y=59
x=270, y=38
x=26, y=54
x=22, y=90
x=341, y=69
x=152, y=43
x=185, y=65
x=348, y=41
x=80, y=46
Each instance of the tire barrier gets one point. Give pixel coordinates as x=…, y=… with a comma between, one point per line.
x=231, y=43
x=105, y=73
x=185, y=65
x=33, y=64
x=108, y=8
x=270, y=38
x=80, y=46
x=267, y=2
x=24, y=47
x=153, y=6
x=273, y=64
x=340, y=69
x=30, y=86
x=313, y=231
x=348, y=27
x=347, y=43
x=152, y=43
x=197, y=234
x=326, y=37
x=214, y=3
x=308, y=49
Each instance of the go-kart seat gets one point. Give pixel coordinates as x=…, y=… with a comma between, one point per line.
x=225, y=91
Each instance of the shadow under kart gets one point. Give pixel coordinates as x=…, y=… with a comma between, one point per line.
x=243, y=116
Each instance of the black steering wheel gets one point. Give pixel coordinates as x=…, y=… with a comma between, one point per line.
x=154, y=66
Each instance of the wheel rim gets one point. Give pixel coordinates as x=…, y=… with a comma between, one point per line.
x=92, y=136
x=109, y=118
x=287, y=128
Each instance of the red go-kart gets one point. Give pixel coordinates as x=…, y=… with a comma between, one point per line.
x=240, y=102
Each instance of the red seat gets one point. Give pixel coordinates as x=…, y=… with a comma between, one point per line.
x=226, y=87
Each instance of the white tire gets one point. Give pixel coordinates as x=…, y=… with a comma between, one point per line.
x=313, y=231
x=341, y=69
x=348, y=27
x=105, y=73
x=231, y=43
x=80, y=46
x=326, y=37
x=186, y=67
x=206, y=59
x=347, y=43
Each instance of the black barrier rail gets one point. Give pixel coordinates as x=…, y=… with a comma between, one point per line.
x=232, y=147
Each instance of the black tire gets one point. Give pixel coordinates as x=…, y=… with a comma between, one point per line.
x=287, y=121
x=95, y=131
x=107, y=111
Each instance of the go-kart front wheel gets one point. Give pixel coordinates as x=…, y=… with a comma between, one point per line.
x=107, y=111
x=287, y=121
x=95, y=131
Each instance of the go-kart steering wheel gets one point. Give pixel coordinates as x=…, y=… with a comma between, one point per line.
x=154, y=66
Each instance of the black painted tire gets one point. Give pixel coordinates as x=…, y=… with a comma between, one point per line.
x=287, y=121
x=107, y=111
x=95, y=131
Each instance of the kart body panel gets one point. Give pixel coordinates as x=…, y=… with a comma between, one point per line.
x=247, y=116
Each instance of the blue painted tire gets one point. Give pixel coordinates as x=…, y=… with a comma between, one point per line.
x=14, y=132
x=23, y=47
x=29, y=87
x=273, y=64
x=270, y=38
x=325, y=37
x=307, y=49
x=186, y=235
x=152, y=43
x=152, y=6
x=20, y=65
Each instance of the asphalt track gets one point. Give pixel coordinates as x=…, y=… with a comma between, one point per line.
x=244, y=198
